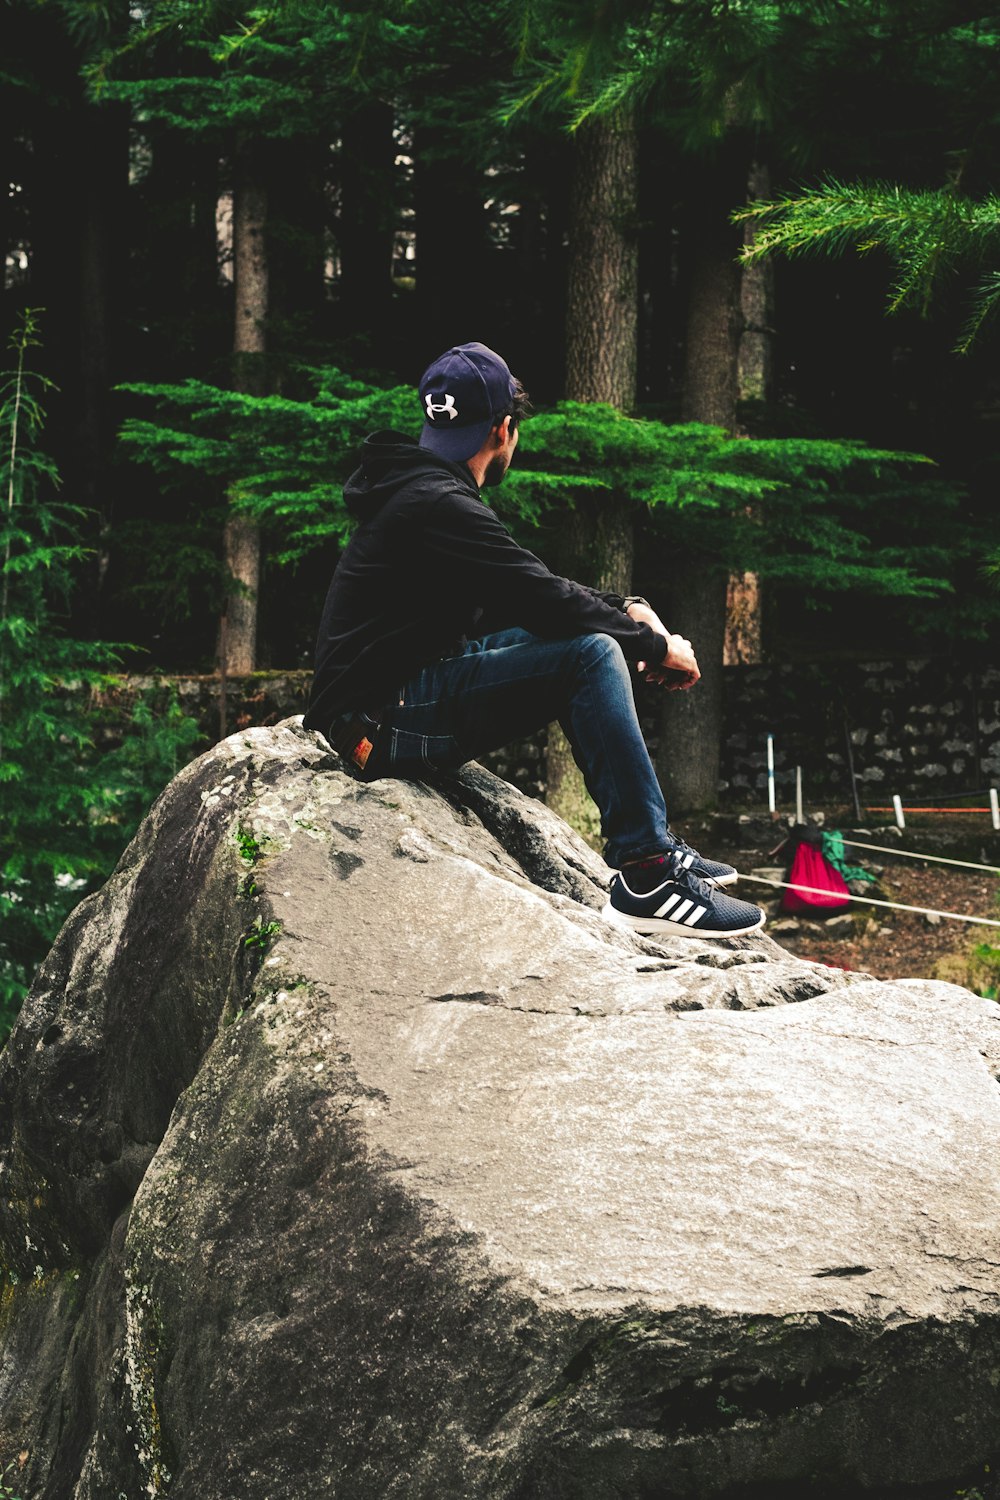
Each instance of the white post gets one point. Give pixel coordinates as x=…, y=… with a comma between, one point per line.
x=994, y=807
x=900, y=820
x=770, y=774
x=798, y=795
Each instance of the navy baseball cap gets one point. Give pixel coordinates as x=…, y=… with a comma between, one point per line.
x=463, y=394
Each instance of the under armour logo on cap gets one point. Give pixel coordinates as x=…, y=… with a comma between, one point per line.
x=472, y=387
x=444, y=407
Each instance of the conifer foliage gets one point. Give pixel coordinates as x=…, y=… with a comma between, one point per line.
x=835, y=517
x=66, y=809
x=929, y=237
x=285, y=458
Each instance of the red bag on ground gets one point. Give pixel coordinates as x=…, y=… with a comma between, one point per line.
x=827, y=891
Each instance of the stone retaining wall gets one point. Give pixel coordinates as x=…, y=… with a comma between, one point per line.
x=921, y=728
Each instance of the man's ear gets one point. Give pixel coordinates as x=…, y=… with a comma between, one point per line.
x=501, y=430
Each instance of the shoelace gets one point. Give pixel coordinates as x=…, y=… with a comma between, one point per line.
x=687, y=878
x=681, y=846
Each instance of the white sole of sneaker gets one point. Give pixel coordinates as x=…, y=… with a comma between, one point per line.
x=663, y=927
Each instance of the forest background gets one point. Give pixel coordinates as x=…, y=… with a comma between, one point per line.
x=234, y=236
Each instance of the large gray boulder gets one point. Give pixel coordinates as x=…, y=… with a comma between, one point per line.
x=346, y=1150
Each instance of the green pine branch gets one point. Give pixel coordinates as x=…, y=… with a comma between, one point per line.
x=929, y=237
x=824, y=500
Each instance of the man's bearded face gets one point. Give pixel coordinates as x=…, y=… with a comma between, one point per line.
x=500, y=462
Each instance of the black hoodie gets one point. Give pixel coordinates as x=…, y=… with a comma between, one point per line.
x=427, y=565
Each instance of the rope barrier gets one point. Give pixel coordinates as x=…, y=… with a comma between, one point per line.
x=938, y=859
x=908, y=809
x=924, y=911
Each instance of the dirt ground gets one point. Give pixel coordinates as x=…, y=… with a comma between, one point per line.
x=874, y=940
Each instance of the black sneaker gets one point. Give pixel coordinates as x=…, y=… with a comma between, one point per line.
x=681, y=906
x=712, y=870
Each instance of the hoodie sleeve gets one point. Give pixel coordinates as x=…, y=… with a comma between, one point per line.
x=470, y=553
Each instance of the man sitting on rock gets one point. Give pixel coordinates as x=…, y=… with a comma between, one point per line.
x=441, y=639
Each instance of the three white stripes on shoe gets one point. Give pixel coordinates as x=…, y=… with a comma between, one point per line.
x=680, y=915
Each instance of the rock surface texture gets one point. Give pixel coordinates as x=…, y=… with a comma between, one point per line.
x=347, y=1151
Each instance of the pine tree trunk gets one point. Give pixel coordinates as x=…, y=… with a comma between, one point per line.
x=691, y=723
x=250, y=272
x=743, y=644
x=596, y=540
x=756, y=357
x=241, y=539
x=744, y=635
x=602, y=312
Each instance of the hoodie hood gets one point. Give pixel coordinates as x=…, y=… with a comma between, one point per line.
x=390, y=460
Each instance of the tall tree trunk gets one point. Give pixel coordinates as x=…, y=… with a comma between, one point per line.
x=602, y=313
x=756, y=357
x=241, y=539
x=691, y=723
x=596, y=540
x=744, y=637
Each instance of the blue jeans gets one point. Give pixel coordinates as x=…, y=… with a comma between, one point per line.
x=511, y=684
